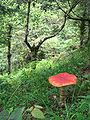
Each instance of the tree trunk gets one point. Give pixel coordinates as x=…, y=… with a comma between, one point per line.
x=33, y=54
x=9, y=49
x=88, y=31
x=88, y=23
x=88, y=40
x=82, y=31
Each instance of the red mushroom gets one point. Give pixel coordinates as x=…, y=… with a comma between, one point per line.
x=62, y=80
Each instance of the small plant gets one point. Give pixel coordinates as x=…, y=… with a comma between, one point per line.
x=15, y=115
x=18, y=113
x=36, y=112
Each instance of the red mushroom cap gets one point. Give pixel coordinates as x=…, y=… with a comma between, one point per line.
x=62, y=79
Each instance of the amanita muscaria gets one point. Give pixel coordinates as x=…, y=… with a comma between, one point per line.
x=62, y=80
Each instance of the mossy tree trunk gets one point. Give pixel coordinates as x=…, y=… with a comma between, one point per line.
x=9, y=49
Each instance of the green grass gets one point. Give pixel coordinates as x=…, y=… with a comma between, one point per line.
x=30, y=86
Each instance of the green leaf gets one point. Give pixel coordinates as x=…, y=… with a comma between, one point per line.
x=86, y=97
x=37, y=106
x=87, y=76
x=30, y=109
x=10, y=110
x=4, y=115
x=17, y=113
x=37, y=113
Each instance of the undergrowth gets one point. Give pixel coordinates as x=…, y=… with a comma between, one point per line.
x=30, y=86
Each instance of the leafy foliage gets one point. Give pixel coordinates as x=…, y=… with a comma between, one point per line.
x=16, y=115
x=26, y=93
x=30, y=87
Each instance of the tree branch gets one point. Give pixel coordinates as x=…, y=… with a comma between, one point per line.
x=65, y=16
x=27, y=24
x=81, y=19
x=70, y=10
x=75, y=3
x=48, y=37
x=60, y=7
x=78, y=17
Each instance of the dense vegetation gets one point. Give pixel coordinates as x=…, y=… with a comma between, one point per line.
x=39, y=39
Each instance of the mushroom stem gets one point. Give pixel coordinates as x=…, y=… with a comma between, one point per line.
x=62, y=95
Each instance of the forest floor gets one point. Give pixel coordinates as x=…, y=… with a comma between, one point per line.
x=31, y=87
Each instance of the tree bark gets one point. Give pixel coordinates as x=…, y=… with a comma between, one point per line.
x=88, y=31
x=9, y=49
x=34, y=51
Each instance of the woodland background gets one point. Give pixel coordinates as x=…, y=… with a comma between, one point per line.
x=39, y=39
